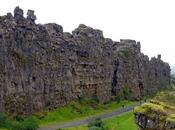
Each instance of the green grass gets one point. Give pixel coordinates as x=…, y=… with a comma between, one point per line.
x=122, y=122
x=77, y=111
x=167, y=97
x=82, y=127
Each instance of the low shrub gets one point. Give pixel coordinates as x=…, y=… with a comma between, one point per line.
x=18, y=123
x=29, y=124
x=18, y=117
x=76, y=107
x=15, y=125
x=88, y=101
x=40, y=115
x=97, y=124
x=4, y=121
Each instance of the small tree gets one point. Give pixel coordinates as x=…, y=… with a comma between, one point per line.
x=118, y=97
x=126, y=92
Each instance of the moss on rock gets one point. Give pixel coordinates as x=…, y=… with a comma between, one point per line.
x=158, y=111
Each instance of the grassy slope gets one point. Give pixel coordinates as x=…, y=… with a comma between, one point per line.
x=122, y=122
x=76, y=111
x=162, y=106
x=167, y=97
x=163, y=102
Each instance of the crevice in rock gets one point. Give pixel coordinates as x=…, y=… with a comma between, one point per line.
x=115, y=86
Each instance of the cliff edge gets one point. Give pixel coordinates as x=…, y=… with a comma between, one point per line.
x=43, y=67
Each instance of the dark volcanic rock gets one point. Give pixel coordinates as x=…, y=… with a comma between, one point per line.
x=31, y=16
x=18, y=13
x=43, y=67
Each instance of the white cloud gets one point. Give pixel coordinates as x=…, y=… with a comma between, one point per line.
x=150, y=21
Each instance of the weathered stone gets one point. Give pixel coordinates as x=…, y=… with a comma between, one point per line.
x=159, y=56
x=31, y=16
x=9, y=15
x=18, y=13
x=44, y=67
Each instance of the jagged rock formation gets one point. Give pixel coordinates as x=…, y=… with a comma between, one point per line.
x=43, y=67
x=159, y=114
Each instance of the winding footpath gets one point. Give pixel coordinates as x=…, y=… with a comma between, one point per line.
x=87, y=120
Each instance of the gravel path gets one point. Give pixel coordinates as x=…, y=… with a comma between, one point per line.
x=86, y=121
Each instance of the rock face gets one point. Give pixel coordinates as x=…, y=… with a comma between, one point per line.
x=42, y=67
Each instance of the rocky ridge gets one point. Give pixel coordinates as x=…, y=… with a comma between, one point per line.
x=42, y=67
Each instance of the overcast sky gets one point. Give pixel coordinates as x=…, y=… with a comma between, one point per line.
x=152, y=22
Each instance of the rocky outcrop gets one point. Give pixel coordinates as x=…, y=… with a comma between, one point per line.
x=42, y=67
x=158, y=114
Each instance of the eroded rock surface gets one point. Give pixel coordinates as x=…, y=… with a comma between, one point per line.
x=43, y=67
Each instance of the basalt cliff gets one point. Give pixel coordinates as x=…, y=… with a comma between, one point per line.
x=42, y=67
x=158, y=114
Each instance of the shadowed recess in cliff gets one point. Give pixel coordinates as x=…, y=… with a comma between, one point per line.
x=115, y=87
